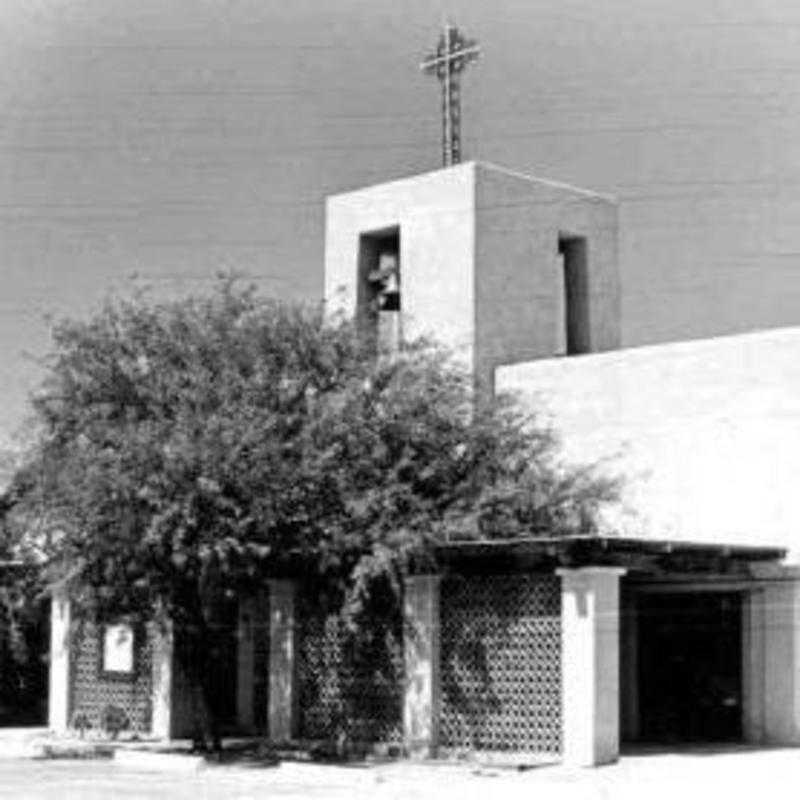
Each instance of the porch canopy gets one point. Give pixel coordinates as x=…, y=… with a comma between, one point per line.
x=636, y=555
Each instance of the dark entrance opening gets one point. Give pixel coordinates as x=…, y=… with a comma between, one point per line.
x=690, y=667
x=220, y=657
x=24, y=652
x=223, y=662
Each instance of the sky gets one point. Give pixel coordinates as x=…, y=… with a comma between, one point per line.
x=170, y=139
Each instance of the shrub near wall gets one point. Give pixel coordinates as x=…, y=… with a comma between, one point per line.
x=350, y=677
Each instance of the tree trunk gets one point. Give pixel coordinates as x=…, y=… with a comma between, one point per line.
x=203, y=651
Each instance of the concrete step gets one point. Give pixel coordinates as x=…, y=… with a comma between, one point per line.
x=40, y=743
x=74, y=749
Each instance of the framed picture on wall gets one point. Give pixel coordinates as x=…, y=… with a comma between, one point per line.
x=118, y=655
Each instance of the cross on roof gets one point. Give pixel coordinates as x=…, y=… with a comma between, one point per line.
x=453, y=53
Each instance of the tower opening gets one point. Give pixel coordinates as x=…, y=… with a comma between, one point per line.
x=574, y=316
x=379, y=301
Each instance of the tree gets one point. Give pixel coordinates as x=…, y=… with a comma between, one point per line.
x=189, y=448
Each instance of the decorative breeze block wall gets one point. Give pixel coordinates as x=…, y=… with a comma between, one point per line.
x=92, y=690
x=350, y=684
x=501, y=663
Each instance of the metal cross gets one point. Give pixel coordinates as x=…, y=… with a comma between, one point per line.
x=452, y=54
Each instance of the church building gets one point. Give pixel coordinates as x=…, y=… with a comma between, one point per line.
x=678, y=623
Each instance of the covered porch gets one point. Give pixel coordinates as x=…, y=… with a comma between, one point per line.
x=553, y=647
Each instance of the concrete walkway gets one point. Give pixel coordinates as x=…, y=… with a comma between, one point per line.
x=742, y=773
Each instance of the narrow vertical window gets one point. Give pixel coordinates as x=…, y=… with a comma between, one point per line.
x=574, y=254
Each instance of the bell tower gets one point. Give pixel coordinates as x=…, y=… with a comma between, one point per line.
x=500, y=267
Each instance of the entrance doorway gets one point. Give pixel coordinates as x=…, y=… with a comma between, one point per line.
x=223, y=662
x=690, y=667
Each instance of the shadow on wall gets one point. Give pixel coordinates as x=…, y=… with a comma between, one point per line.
x=501, y=663
x=467, y=683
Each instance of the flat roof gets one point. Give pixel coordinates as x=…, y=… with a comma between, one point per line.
x=486, y=166
x=639, y=554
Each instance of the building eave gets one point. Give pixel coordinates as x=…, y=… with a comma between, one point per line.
x=635, y=554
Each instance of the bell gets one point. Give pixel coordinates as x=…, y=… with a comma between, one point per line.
x=391, y=285
x=387, y=261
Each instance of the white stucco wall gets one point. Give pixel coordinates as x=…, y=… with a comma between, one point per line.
x=519, y=285
x=435, y=213
x=706, y=434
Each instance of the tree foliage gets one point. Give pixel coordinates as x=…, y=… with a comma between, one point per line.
x=190, y=448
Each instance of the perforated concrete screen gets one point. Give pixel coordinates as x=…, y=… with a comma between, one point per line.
x=350, y=684
x=501, y=663
x=94, y=689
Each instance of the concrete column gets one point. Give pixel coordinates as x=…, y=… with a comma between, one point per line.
x=753, y=654
x=422, y=664
x=782, y=659
x=282, y=716
x=59, y=686
x=590, y=664
x=163, y=686
x=245, y=663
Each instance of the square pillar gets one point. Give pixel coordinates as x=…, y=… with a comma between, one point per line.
x=781, y=632
x=590, y=664
x=163, y=685
x=59, y=678
x=422, y=664
x=282, y=716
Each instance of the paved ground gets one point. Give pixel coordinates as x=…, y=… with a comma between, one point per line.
x=755, y=775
